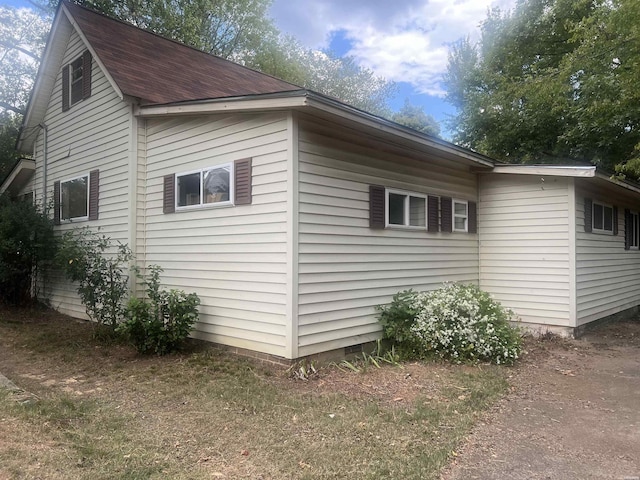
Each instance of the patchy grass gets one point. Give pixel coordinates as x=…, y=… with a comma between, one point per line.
x=105, y=412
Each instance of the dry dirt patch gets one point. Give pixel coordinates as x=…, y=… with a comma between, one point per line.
x=574, y=412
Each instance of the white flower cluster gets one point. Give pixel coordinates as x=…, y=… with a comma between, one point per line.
x=461, y=322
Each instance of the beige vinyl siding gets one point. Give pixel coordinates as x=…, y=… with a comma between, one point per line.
x=525, y=260
x=233, y=257
x=607, y=275
x=93, y=134
x=347, y=268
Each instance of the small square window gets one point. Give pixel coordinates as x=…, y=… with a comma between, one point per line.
x=460, y=216
x=74, y=198
x=406, y=209
x=205, y=187
x=602, y=218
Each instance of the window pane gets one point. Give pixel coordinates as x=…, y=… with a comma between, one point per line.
x=460, y=223
x=608, y=219
x=216, y=185
x=597, y=216
x=189, y=190
x=417, y=212
x=76, y=81
x=74, y=198
x=460, y=208
x=396, y=209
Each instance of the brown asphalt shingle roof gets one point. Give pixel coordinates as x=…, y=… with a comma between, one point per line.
x=157, y=70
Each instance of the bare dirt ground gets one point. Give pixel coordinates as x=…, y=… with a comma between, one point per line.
x=573, y=413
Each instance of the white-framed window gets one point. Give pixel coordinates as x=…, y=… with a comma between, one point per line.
x=406, y=209
x=460, y=212
x=634, y=235
x=74, y=198
x=211, y=186
x=602, y=217
x=76, y=72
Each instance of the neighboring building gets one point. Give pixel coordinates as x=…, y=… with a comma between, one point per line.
x=293, y=215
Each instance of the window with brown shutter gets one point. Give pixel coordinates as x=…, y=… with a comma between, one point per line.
x=94, y=194
x=433, y=224
x=56, y=203
x=242, y=172
x=588, y=215
x=169, y=194
x=446, y=214
x=76, y=81
x=473, y=217
x=377, y=206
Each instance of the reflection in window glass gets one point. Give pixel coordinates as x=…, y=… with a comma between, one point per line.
x=216, y=185
x=396, y=209
x=597, y=216
x=74, y=198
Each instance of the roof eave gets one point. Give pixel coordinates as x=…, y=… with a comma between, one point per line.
x=22, y=171
x=545, y=170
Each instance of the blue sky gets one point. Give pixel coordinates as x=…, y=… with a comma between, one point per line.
x=406, y=41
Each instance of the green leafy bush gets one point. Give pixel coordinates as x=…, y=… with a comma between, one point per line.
x=457, y=322
x=27, y=247
x=161, y=323
x=397, y=319
x=100, y=268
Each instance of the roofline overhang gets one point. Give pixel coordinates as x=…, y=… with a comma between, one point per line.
x=620, y=183
x=300, y=99
x=23, y=164
x=546, y=170
x=28, y=121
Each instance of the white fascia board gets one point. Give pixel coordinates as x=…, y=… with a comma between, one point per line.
x=236, y=104
x=95, y=57
x=23, y=164
x=546, y=170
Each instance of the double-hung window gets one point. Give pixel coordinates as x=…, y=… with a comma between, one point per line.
x=205, y=187
x=406, y=209
x=460, y=216
x=76, y=71
x=74, y=198
x=602, y=218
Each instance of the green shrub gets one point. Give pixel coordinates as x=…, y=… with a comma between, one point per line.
x=100, y=268
x=27, y=247
x=160, y=324
x=457, y=322
x=397, y=319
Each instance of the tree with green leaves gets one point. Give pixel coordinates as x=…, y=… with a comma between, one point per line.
x=415, y=117
x=551, y=81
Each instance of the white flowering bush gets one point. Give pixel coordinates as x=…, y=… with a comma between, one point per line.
x=458, y=322
x=463, y=323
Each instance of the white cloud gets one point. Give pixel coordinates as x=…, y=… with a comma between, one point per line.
x=401, y=40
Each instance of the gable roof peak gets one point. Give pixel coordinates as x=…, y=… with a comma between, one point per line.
x=158, y=70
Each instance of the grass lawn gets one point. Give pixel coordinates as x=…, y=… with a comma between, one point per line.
x=102, y=412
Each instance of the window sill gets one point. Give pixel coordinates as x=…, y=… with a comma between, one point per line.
x=208, y=206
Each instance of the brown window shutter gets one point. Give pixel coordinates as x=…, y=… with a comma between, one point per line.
x=627, y=229
x=242, y=172
x=432, y=209
x=94, y=194
x=446, y=219
x=377, y=206
x=65, y=88
x=473, y=217
x=588, y=215
x=169, y=194
x=615, y=220
x=86, y=74
x=56, y=203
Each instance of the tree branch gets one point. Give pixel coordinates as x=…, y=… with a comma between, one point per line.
x=9, y=45
x=11, y=107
